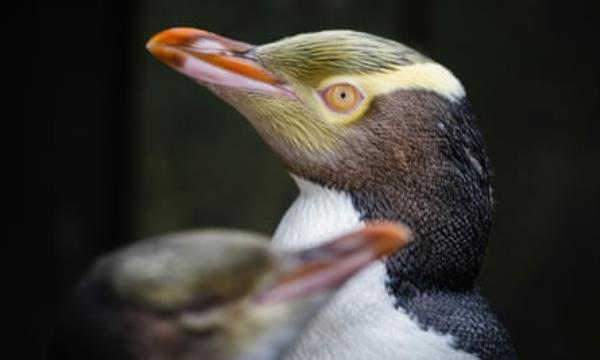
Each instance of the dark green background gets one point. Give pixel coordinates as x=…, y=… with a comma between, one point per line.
x=126, y=148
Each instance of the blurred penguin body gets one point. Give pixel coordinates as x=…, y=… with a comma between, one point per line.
x=213, y=294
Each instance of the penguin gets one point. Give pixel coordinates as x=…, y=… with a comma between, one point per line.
x=370, y=130
x=211, y=294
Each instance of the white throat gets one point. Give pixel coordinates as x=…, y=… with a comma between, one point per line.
x=318, y=215
x=360, y=322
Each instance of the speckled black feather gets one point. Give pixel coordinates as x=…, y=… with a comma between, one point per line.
x=433, y=279
x=466, y=315
x=452, y=219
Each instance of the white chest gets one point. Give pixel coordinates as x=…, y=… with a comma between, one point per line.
x=360, y=322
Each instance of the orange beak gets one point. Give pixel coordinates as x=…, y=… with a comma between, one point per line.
x=215, y=60
x=328, y=266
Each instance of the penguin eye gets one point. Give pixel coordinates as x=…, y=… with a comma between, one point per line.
x=342, y=97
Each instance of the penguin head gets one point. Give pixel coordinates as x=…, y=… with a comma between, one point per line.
x=310, y=95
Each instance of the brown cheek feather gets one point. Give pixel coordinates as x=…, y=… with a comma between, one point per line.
x=396, y=136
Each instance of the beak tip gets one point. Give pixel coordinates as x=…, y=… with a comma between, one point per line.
x=155, y=44
x=151, y=47
x=156, y=41
x=388, y=237
x=150, y=44
x=176, y=36
x=164, y=45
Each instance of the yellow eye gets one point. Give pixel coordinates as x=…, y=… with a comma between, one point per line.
x=341, y=97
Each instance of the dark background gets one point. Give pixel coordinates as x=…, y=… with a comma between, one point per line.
x=124, y=147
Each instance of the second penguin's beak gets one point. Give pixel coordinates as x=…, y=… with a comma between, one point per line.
x=328, y=266
x=215, y=60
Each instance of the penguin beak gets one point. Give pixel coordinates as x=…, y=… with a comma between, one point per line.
x=215, y=60
x=328, y=266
